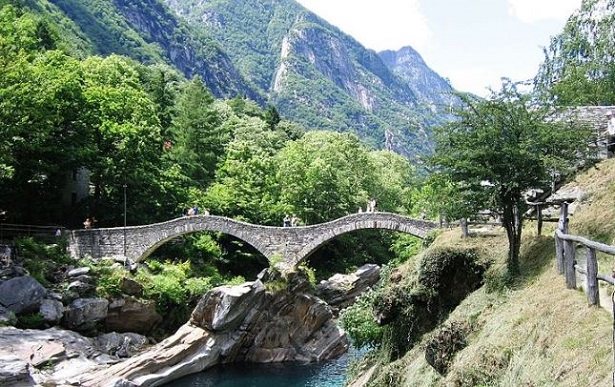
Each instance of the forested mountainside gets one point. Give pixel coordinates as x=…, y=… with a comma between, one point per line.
x=274, y=53
x=317, y=75
x=579, y=65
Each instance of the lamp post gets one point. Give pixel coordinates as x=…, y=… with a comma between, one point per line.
x=124, y=220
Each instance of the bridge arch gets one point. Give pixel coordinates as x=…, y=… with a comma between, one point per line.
x=354, y=222
x=291, y=244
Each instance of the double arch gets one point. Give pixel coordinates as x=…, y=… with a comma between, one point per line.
x=292, y=244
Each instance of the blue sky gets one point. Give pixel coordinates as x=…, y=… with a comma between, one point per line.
x=473, y=43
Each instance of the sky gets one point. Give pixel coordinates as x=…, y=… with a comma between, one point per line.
x=473, y=43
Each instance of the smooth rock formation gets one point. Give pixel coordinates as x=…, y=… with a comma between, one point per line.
x=341, y=290
x=234, y=324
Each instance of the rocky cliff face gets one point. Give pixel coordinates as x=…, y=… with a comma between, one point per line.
x=429, y=88
x=271, y=52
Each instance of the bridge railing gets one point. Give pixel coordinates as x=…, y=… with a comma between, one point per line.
x=10, y=231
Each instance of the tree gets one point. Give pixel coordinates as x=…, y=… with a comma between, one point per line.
x=499, y=148
x=198, y=134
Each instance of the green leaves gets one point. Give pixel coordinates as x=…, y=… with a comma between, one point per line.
x=498, y=149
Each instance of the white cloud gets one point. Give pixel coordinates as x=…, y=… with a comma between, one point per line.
x=532, y=11
x=381, y=25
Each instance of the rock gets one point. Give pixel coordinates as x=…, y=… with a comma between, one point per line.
x=78, y=271
x=224, y=307
x=52, y=311
x=62, y=354
x=14, y=372
x=190, y=350
x=131, y=315
x=235, y=324
x=341, y=290
x=22, y=294
x=83, y=313
x=80, y=287
x=131, y=287
x=121, y=345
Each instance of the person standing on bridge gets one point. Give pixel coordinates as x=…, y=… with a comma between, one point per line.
x=294, y=221
x=286, y=221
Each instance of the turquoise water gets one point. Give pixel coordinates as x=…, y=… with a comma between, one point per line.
x=331, y=373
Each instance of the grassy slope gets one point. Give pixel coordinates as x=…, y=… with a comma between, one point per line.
x=538, y=333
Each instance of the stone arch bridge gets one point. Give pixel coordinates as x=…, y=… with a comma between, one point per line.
x=292, y=244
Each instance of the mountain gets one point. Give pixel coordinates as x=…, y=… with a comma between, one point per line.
x=273, y=52
x=429, y=87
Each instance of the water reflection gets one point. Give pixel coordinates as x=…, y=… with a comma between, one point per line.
x=331, y=373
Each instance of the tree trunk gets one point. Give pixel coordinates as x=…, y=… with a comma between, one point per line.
x=513, y=223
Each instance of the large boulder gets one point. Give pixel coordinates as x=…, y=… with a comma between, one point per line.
x=22, y=294
x=52, y=311
x=225, y=307
x=128, y=314
x=341, y=290
x=83, y=314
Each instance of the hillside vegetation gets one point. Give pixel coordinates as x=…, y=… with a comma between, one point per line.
x=533, y=332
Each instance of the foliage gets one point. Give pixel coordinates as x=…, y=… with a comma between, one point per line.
x=40, y=260
x=409, y=309
x=579, y=68
x=172, y=284
x=501, y=147
x=30, y=321
x=358, y=321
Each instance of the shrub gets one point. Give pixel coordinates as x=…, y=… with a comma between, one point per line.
x=358, y=321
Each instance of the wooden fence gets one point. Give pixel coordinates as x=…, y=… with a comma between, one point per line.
x=566, y=246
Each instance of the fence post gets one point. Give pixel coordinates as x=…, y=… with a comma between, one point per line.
x=539, y=218
x=464, y=228
x=592, y=290
x=559, y=254
x=571, y=274
x=563, y=218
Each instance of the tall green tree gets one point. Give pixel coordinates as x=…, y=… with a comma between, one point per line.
x=125, y=146
x=325, y=175
x=503, y=146
x=198, y=134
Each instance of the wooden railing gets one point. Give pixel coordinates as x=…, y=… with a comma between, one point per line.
x=566, y=246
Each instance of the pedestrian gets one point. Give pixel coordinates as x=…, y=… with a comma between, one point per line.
x=294, y=220
x=87, y=223
x=286, y=221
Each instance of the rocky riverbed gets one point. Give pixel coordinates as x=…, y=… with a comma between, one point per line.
x=243, y=323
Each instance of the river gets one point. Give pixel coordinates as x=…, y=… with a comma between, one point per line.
x=331, y=373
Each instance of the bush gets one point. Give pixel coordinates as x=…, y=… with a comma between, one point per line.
x=41, y=260
x=358, y=321
x=445, y=277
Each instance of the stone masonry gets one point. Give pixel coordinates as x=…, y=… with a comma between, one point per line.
x=291, y=244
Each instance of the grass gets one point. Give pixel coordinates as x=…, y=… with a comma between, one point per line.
x=534, y=332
